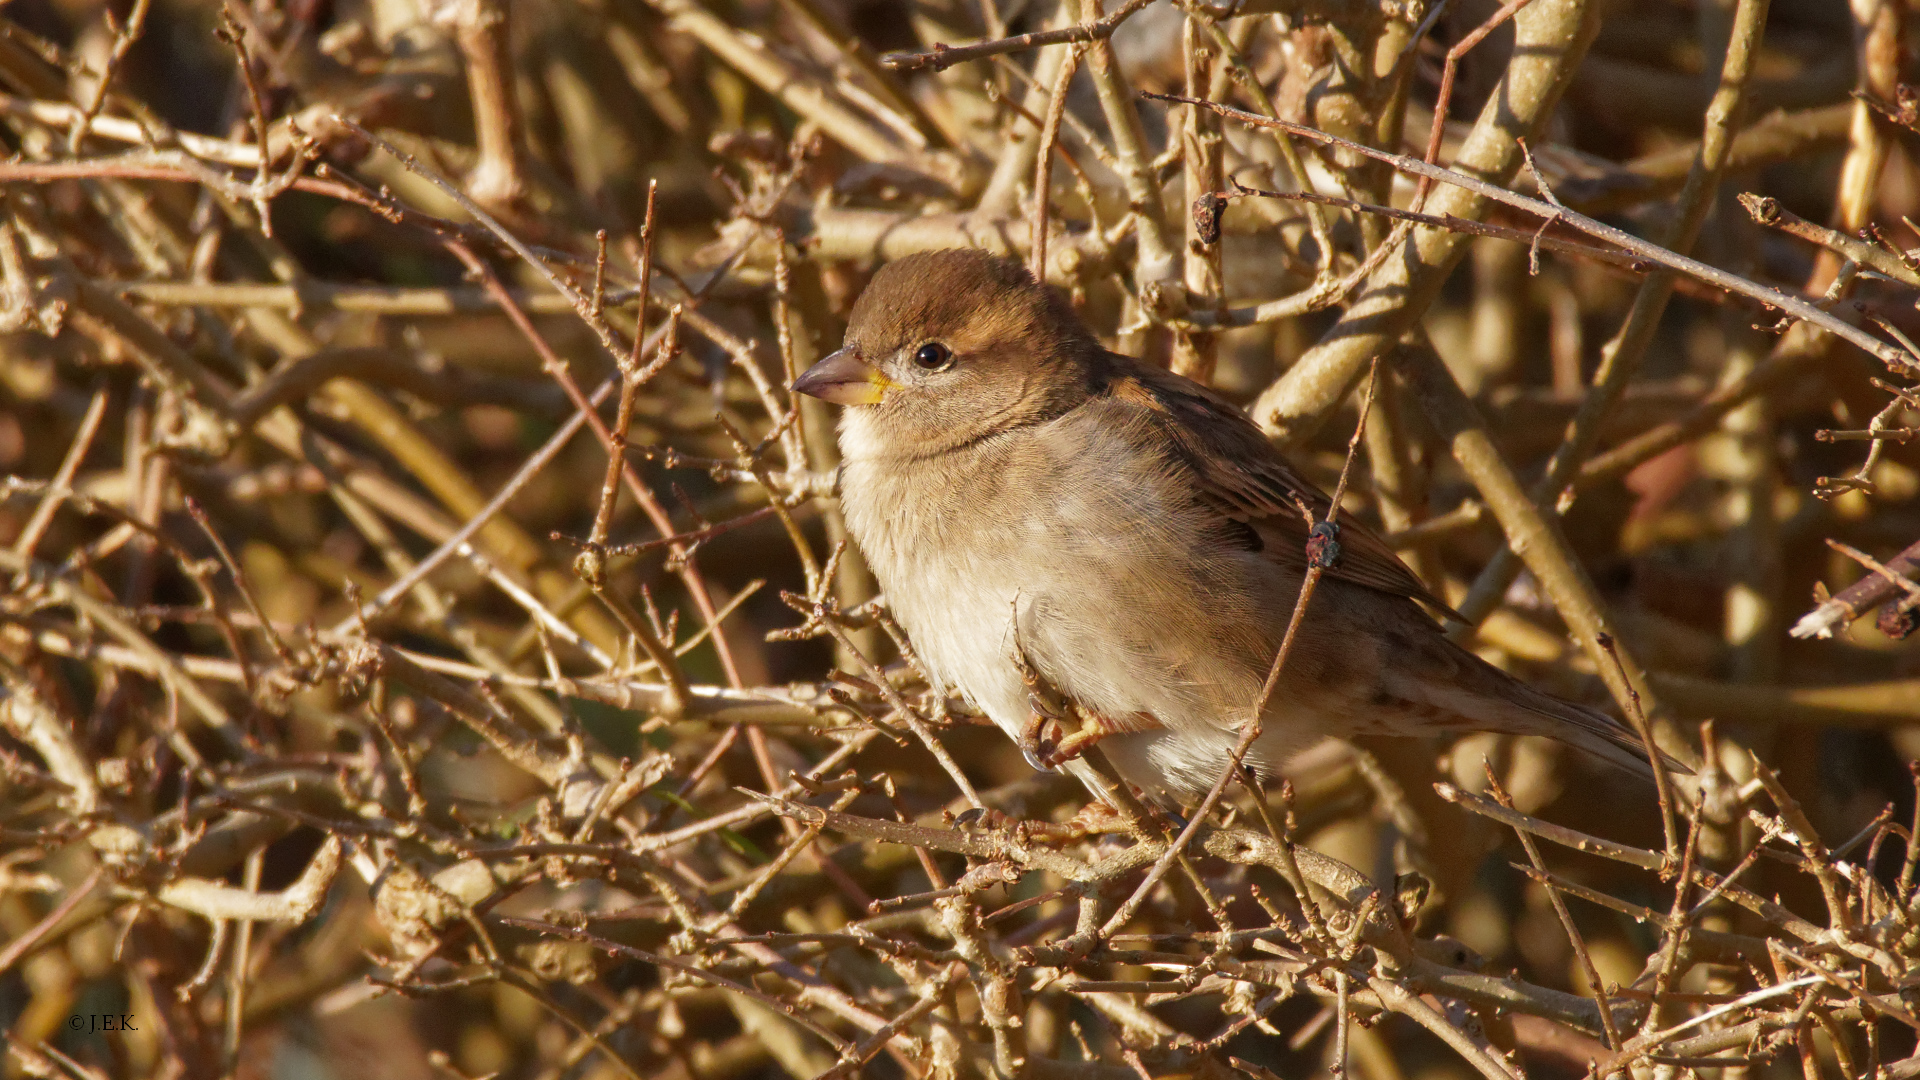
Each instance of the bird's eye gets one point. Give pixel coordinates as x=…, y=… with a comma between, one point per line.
x=932, y=356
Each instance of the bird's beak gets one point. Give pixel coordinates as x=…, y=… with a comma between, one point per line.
x=844, y=379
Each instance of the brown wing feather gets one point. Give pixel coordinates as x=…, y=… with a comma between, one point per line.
x=1246, y=479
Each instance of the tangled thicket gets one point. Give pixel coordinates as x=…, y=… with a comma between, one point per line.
x=430, y=646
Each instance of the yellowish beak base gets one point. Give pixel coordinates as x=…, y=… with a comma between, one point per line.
x=844, y=379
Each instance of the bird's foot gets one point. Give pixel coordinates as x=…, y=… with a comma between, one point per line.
x=1048, y=744
x=1077, y=743
x=1045, y=740
x=1044, y=734
x=1040, y=739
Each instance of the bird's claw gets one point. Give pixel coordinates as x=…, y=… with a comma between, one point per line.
x=1047, y=743
x=1040, y=740
x=1043, y=735
x=1045, y=740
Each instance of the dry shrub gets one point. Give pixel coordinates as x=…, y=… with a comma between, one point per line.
x=430, y=645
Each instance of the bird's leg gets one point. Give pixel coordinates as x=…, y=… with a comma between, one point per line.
x=1045, y=740
x=1040, y=738
x=1093, y=728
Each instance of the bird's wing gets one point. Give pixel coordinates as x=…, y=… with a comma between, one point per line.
x=1245, y=479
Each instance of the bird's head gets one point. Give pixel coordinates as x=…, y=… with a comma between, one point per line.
x=946, y=347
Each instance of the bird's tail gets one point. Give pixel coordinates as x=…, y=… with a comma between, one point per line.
x=1488, y=699
x=1587, y=729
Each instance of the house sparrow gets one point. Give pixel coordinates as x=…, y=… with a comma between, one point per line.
x=1067, y=534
